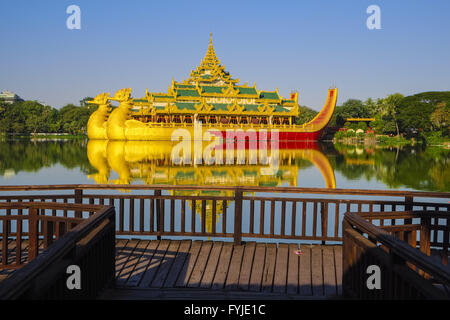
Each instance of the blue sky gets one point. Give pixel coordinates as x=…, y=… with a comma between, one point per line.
x=303, y=45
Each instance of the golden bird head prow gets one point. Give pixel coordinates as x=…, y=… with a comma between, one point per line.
x=101, y=98
x=122, y=95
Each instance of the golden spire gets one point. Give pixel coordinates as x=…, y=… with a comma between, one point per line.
x=210, y=56
x=210, y=69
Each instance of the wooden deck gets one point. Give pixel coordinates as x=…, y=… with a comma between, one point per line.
x=185, y=269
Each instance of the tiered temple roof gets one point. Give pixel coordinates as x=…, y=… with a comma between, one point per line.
x=210, y=89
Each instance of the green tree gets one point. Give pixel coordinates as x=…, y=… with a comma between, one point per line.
x=73, y=119
x=352, y=108
x=440, y=118
x=415, y=111
x=14, y=118
x=389, y=109
x=83, y=102
x=305, y=115
x=37, y=117
x=25, y=117
x=370, y=107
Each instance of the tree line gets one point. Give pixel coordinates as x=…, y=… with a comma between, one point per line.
x=426, y=113
x=29, y=117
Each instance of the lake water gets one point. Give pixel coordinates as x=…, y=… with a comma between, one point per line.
x=308, y=165
x=313, y=165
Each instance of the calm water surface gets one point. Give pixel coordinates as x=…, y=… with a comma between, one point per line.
x=312, y=165
x=316, y=165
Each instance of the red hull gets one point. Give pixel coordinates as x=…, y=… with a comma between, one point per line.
x=300, y=138
x=286, y=140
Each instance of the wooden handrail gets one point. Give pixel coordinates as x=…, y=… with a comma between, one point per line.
x=365, y=192
x=50, y=205
x=403, y=214
x=58, y=254
x=400, y=248
x=43, y=218
x=328, y=207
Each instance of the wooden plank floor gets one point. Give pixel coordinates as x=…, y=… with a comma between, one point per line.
x=185, y=269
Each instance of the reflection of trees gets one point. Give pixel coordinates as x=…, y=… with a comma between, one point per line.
x=413, y=167
x=25, y=155
x=421, y=169
x=302, y=163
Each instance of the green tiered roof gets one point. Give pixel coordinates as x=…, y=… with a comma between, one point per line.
x=251, y=90
x=213, y=89
x=187, y=93
x=269, y=95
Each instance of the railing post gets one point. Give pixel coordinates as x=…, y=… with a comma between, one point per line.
x=33, y=233
x=5, y=242
x=237, y=235
x=78, y=199
x=159, y=218
x=424, y=240
x=409, y=236
x=346, y=260
x=48, y=227
x=409, y=200
x=324, y=220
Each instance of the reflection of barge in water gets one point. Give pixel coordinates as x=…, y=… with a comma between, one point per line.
x=151, y=163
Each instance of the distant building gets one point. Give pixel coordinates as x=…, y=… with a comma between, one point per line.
x=9, y=97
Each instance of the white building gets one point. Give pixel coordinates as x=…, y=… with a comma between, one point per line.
x=9, y=97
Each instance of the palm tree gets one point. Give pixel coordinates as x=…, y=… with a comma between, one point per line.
x=389, y=107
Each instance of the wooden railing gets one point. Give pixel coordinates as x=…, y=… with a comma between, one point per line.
x=417, y=228
x=33, y=228
x=309, y=214
x=76, y=227
x=405, y=269
x=41, y=239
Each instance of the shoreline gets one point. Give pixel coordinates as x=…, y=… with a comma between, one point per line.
x=384, y=140
x=42, y=137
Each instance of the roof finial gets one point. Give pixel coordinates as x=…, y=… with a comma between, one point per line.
x=210, y=37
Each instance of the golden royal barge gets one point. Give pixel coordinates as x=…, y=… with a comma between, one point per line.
x=208, y=96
